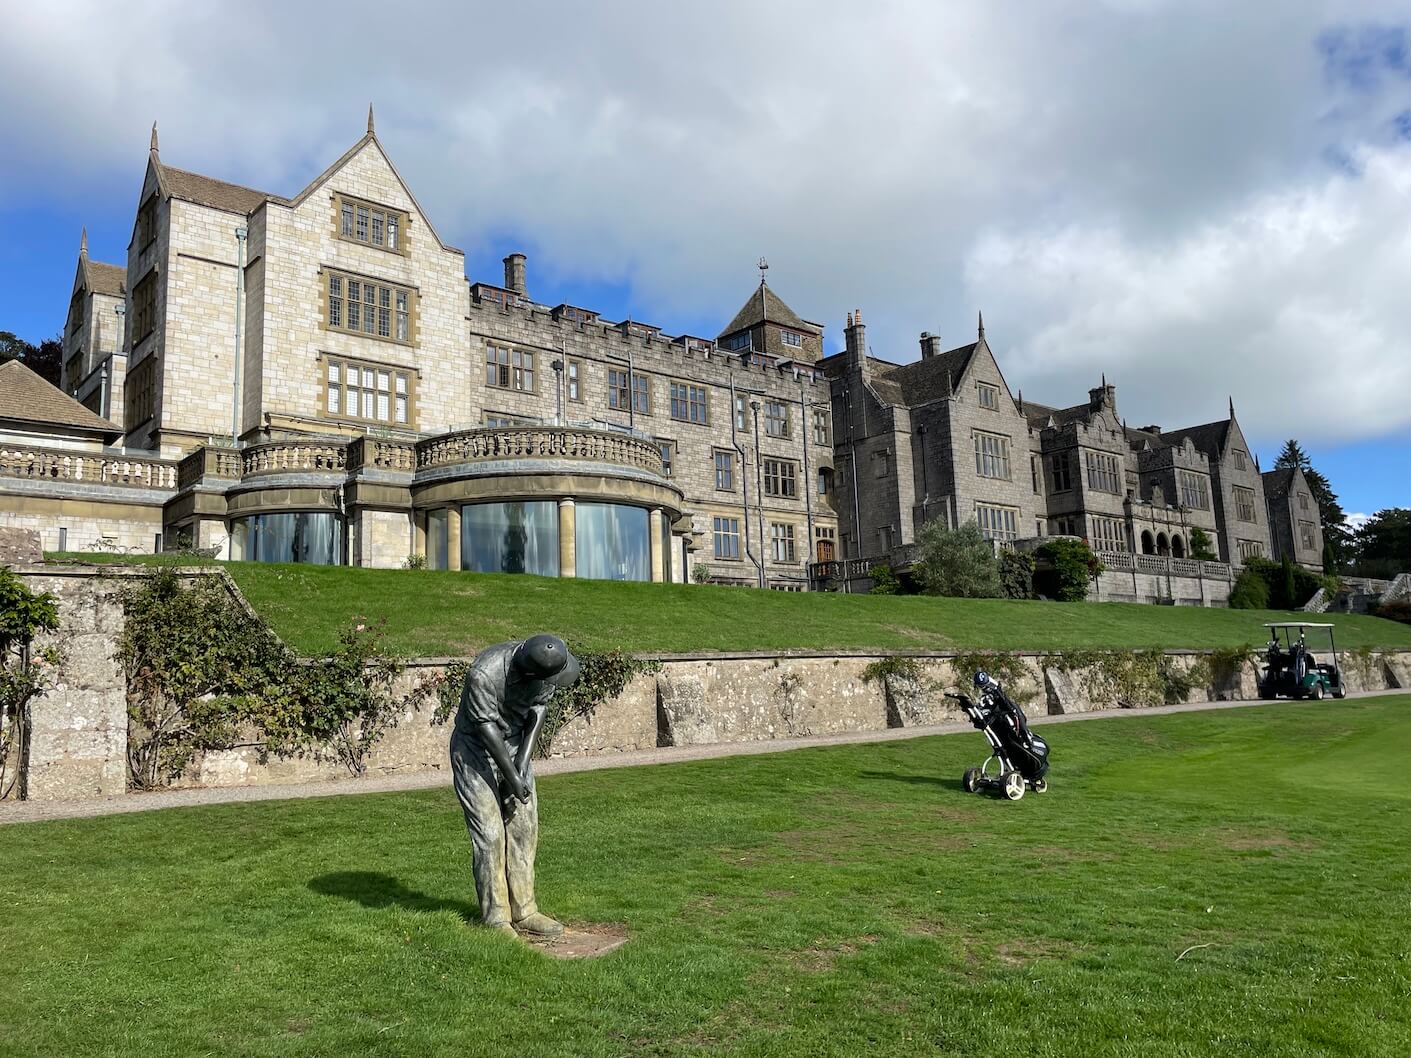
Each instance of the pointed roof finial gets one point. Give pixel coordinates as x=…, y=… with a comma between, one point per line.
x=370, y=130
x=1232, y=406
x=981, y=327
x=83, y=243
x=849, y=319
x=154, y=138
x=1104, y=380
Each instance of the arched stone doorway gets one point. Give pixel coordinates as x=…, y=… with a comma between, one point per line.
x=1163, y=545
x=1148, y=543
x=1178, y=546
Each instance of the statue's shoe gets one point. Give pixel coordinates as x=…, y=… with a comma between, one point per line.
x=539, y=925
x=502, y=927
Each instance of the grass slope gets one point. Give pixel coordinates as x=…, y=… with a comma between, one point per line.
x=831, y=902
x=451, y=614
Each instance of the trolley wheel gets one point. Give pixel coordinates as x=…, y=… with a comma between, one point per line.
x=1013, y=785
x=1040, y=786
x=1317, y=692
x=971, y=780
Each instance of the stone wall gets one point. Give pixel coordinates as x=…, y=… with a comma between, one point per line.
x=79, y=740
x=78, y=732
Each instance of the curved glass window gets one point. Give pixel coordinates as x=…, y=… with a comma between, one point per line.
x=611, y=541
x=436, y=543
x=289, y=536
x=511, y=537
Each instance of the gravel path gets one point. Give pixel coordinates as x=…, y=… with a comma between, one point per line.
x=32, y=811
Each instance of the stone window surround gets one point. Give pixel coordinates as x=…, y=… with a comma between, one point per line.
x=725, y=529
x=776, y=418
x=670, y=451
x=639, y=381
x=413, y=375
x=1103, y=468
x=688, y=397
x=728, y=468
x=1109, y=534
x=413, y=305
x=144, y=307
x=146, y=232
x=575, y=377
x=403, y=217
x=822, y=425
x=1192, y=486
x=516, y=363
x=1245, y=507
x=987, y=396
x=781, y=478
x=782, y=541
x=1062, y=467
x=997, y=457
x=997, y=521
x=140, y=392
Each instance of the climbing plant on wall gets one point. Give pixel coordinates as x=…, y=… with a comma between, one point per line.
x=24, y=673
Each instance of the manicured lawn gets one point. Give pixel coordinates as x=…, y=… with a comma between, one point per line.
x=837, y=902
x=451, y=614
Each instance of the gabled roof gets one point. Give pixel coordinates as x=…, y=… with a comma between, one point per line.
x=101, y=278
x=1039, y=414
x=1210, y=437
x=765, y=305
x=1278, y=483
x=205, y=191
x=925, y=380
x=27, y=398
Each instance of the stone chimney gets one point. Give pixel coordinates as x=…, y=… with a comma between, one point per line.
x=930, y=345
x=514, y=273
x=856, y=335
x=1104, y=396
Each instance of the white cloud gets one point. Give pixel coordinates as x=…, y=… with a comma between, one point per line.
x=1139, y=186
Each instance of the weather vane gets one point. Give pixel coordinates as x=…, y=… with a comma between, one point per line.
x=763, y=267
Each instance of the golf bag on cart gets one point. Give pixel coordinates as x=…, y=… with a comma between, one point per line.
x=1019, y=756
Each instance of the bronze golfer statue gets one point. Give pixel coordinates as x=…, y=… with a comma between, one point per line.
x=503, y=706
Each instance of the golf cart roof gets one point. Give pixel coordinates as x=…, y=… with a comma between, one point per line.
x=1299, y=624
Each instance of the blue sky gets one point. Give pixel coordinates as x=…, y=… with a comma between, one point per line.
x=1197, y=199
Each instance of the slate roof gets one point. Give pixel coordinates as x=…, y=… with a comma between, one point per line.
x=27, y=398
x=764, y=305
x=1209, y=438
x=1039, y=414
x=922, y=381
x=1277, y=483
x=107, y=279
x=204, y=191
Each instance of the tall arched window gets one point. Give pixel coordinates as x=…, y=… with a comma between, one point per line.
x=1148, y=544
x=1178, y=546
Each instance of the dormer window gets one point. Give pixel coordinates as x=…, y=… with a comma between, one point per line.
x=738, y=341
x=371, y=224
x=791, y=339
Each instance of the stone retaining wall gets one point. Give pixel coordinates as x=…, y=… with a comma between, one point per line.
x=79, y=740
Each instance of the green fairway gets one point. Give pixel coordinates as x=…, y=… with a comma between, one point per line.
x=454, y=614
x=1223, y=883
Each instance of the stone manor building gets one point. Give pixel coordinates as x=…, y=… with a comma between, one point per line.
x=314, y=378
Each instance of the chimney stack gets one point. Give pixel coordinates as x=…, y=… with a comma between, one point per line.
x=1104, y=396
x=856, y=335
x=514, y=273
x=930, y=345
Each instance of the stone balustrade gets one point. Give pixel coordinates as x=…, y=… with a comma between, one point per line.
x=294, y=457
x=84, y=468
x=208, y=461
x=538, y=442
x=1162, y=565
x=372, y=453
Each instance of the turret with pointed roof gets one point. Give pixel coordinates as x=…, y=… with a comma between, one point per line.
x=767, y=325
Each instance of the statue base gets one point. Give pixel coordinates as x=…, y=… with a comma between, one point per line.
x=579, y=944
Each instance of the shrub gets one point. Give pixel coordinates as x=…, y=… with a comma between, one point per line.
x=1396, y=610
x=1249, y=592
x=884, y=581
x=1286, y=585
x=1068, y=568
x=700, y=573
x=1016, y=575
x=23, y=675
x=957, y=562
x=1202, y=547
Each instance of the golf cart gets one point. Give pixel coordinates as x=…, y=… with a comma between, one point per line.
x=1292, y=670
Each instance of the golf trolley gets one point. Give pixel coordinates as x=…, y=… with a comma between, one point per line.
x=1019, y=757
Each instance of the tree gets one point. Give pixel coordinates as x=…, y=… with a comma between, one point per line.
x=1384, y=544
x=957, y=562
x=1202, y=549
x=1337, y=537
x=1067, y=568
x=45, y=359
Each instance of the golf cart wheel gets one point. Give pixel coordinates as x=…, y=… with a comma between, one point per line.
x=971, y=780
x=1013, y=785
x=1341, y=692
x=1317, y=692
x=1040, y=786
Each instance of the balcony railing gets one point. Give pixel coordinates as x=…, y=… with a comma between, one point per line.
x=208, y=462
x=47, y=464
x=294, y=457
x=538, y=442
x=1162, y=565
x=371, y=453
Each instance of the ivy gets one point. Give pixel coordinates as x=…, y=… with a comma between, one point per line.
x=1008, y=670
x=1134, y=679
x=894, y=667
x=24, y=674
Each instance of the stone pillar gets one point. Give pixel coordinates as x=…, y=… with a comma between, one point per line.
x=453, y=537
x=419, y=533
x=568, y=539
x=654, y=526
